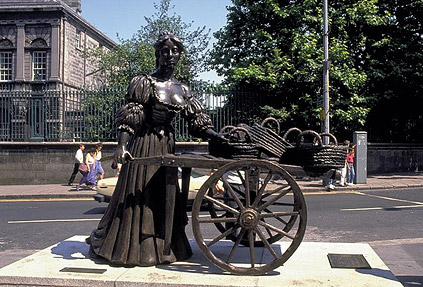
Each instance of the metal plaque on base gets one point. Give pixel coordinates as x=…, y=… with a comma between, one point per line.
x=83, y=270
x=356, y=261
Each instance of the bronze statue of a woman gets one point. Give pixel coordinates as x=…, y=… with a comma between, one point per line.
x=131, y=231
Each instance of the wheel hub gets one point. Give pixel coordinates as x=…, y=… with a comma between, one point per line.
x=249, y=218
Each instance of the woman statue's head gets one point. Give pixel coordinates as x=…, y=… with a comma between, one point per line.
x=167, y=50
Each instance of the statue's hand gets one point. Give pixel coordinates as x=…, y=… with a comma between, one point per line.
x=220, y=137
x=121, y=155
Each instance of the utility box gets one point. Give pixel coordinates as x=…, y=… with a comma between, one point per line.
x=360, y=161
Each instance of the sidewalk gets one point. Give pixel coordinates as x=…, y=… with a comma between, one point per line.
x=43, y=191
x=385, y=181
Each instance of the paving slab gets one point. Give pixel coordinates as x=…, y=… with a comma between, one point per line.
x=308, y=266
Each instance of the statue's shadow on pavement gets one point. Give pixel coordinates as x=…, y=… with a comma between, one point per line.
x=198, y=263
x=71, y=250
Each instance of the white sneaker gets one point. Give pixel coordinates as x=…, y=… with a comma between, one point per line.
x=350, y=183
x=330, y=186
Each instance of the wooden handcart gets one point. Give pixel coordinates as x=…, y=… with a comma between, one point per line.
x=250, y=205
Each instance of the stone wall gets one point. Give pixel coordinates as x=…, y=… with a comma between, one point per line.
x=40, y=163
x=387, y=158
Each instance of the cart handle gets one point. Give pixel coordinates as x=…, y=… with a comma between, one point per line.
x=309, y=132
x=226, y=129
x=236, y=130
x=331, y=137
x=285, y=136
x=270, y=119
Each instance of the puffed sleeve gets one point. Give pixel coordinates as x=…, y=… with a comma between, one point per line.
x=198, y=120
x=131, y=115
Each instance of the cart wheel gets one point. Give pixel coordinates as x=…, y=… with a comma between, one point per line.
x=261, y=204
x=219, y=212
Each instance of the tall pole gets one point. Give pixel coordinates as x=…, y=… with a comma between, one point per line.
x=326, y=63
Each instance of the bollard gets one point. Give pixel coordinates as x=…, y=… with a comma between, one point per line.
x=360, y=161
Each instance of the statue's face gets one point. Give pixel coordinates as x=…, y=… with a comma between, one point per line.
x=169, y=54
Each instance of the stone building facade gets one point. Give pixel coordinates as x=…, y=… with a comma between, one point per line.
x=42, y=43
x=42, y=65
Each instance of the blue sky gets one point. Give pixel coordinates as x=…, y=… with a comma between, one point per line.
x=124, y=17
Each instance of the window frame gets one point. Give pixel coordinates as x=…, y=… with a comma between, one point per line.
x=8, y=71
x=38, y=65
x=79, y=40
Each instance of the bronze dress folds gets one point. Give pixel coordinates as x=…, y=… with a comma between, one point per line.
x=131, y=231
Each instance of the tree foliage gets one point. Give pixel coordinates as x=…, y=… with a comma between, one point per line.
x=276, y=47
x=395, y=54
x=134, y=56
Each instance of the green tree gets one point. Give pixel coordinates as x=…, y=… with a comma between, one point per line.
x=134, y=56
x=277, y=48
x=395, y=54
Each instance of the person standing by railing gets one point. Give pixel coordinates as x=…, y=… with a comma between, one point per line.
x=350, y=166
x=347, y=143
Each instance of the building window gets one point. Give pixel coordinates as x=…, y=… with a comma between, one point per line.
x=39, y=65
x=5, y=66
x=78, y=40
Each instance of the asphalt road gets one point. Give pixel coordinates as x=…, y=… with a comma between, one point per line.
x=390, y=220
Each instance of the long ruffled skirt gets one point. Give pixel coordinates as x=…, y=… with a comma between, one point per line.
x=131, y=231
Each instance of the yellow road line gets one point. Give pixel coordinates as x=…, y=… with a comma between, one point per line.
x=389, y=198
x=327, y=192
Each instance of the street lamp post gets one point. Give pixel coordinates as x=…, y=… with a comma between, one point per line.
x=326, y=64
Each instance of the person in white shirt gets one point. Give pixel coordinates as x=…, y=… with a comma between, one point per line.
x=79, y=158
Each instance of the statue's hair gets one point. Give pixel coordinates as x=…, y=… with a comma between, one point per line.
x=164, y=36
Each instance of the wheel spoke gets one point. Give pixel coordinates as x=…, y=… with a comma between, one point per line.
x=247, y=187
x=241, y=177
x=222, y=205
x=235, y=247
x=217, y=220
x=239, y=192
x=279, y=189
x=278, y=213
x=274, y=199
x=283, y=204
x=233, y=194
x=280, y=231
x=277, y=218
x=251, y=243
x=268, y=230
x=262, y=189
x=266, y=243
x=222, y=235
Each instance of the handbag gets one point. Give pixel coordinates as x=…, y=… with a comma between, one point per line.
x=83, y=168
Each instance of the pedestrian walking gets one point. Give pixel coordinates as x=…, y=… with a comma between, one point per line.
x=79, y=158
x=89, y=178
x=99, y=167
